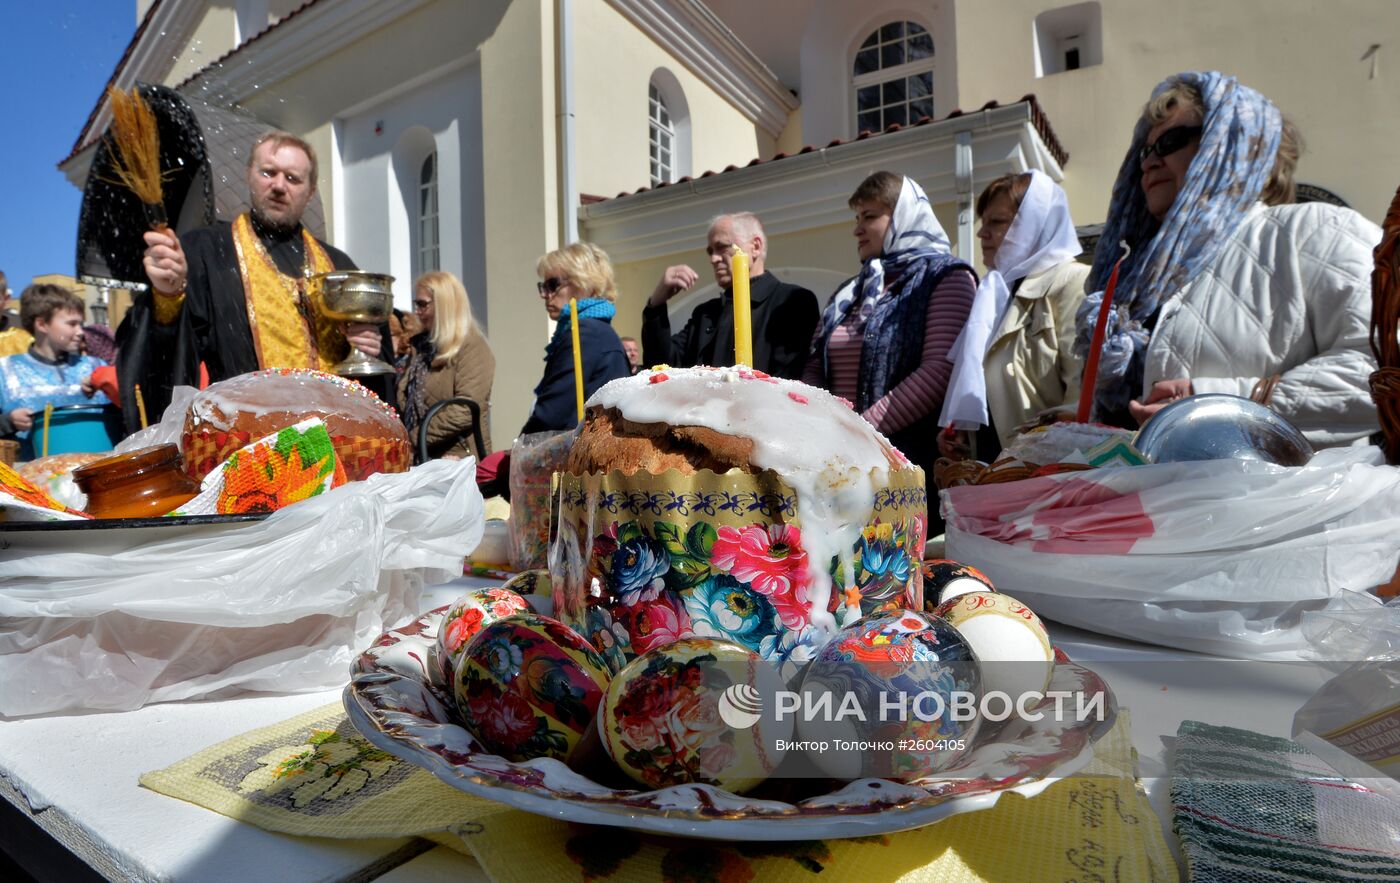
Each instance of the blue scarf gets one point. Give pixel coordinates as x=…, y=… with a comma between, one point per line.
x=916, y=256
x=1239, y=144
x=588, y=308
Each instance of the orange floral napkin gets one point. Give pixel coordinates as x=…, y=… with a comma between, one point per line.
x=288, y=466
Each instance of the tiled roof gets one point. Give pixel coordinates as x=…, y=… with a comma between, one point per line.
x=86, y=137
x=1038, y=119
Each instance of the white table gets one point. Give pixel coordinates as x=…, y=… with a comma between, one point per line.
x=75, y=776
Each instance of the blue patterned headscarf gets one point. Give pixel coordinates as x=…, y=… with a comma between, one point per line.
x=1239, y=144
x=916, y=256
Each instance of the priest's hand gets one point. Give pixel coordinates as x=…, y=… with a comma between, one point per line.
x=364, y=337
x=165, y=262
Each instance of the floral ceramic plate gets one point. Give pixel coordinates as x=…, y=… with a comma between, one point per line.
x=397, y=702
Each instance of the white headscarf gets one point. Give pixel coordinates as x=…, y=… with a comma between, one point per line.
x=1041, y=236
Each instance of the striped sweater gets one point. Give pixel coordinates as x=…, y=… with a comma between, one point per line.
x=919, y=394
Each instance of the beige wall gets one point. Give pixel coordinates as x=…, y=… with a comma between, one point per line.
x=613, y=65
x=522, y=199
x=1303, y=55
x=212, y=38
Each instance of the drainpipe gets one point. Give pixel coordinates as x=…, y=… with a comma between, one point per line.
x=962, y=175
x=568, y=187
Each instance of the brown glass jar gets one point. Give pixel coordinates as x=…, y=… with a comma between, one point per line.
x=139, y=484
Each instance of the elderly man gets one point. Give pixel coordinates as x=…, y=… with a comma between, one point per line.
x=233, y=295
x=784, y=315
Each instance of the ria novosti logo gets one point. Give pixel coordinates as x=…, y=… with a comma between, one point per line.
x=741, y=706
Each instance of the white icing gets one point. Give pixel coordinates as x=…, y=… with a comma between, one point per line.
x=261, y=393
x=827, y=453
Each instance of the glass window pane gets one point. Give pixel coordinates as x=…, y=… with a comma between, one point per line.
x=920, y=46
x=653, y=153
x=424, y=207
x=427, y=173
x=921, y=85
x=892, y=91
x=896, y=114
x=871, y=40
x=921, y=108
x=868, y=121
x=892, y=31
x=914, y=28
x=867, y=98
x=867, y=60
x=891, y=55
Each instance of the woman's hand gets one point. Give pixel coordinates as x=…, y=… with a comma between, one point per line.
x=1163, y=393
x=165, y=262
x=364, y=337
x=954, y=445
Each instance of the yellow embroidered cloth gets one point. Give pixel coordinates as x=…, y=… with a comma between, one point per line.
x=289, y=329
x=315, y=776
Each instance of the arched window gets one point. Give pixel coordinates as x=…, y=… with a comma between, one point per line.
x=893, y=76
x=429, y=254
x=662, y=135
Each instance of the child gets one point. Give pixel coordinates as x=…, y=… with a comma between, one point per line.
x=51, y=372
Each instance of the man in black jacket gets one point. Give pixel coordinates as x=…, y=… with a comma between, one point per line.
x=784, y=316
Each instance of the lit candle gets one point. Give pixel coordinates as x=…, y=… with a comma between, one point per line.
x=140, y=405
x=48, y=418
x=743, y=315
x=578, y=356
x=1091, y=365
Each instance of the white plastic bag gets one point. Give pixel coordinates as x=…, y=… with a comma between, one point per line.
x=166, y=431
x=1220, y=556
x=279, y=605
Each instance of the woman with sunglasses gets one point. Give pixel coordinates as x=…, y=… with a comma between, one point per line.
x=581, y=271
x=1229, y=287
x=448, y=358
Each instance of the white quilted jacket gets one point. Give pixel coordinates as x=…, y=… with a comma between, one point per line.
x=1289, y=294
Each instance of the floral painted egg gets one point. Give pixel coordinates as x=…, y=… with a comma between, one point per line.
x=696, y=710
x=1008, y=638
x=529, y=686
x=945, y=579
x=529, y=582
x=894, y=695
x=465, y=617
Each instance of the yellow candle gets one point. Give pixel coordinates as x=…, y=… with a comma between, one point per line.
x=578, y=356
x=140, y=405
x=48, y=418
x=743, y=315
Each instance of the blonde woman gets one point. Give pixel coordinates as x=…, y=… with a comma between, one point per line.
x=449, y=358
x=581, y=271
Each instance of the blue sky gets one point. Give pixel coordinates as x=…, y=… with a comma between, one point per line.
x=55, y=59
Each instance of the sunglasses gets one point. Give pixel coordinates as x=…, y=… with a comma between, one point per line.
x=422, y=304
x=551, y=285
x=1169, y=142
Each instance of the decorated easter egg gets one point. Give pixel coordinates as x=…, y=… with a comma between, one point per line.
x=902, y=688
x=465, y=617
x=696, y=710
x=945, y=579
x=1008, y=638
x=529, y=686
x=529, y=582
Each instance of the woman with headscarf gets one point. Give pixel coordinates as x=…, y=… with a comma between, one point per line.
x=1229, y=287
x=584, y=272
x=883, y=340
x=1014, y=360
x=448, y=358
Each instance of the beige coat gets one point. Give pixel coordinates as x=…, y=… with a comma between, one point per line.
x=1030, y=364
x=468, y=374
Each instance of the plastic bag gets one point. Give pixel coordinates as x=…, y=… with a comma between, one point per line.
x=534, y=458
x=166, y=431
x=1219, y=556
x=279, y=605
x=1353, y=720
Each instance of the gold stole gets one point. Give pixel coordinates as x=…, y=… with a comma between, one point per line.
x=289, y=330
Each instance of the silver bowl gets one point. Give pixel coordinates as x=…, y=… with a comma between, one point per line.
x=1221, y=427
